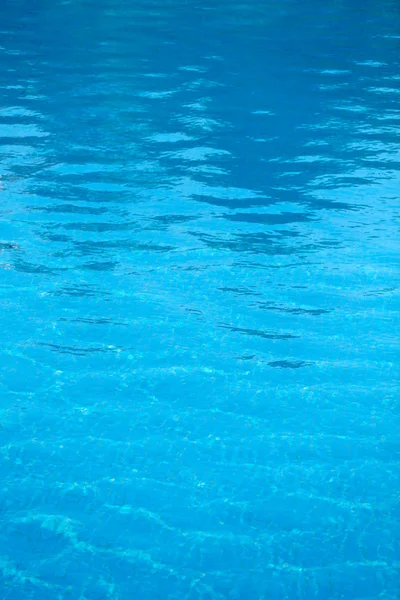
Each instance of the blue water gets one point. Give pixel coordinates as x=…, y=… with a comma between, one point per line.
x=199, y=292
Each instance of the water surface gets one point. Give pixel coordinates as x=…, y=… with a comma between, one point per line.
x=199, y=292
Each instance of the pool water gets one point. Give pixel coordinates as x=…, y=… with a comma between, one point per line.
x=199, y=299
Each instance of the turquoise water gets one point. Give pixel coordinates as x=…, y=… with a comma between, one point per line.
x=199, y=293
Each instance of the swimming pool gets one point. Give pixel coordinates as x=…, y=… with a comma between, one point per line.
x=199, y=300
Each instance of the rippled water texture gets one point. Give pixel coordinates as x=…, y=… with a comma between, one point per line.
x=199, y=292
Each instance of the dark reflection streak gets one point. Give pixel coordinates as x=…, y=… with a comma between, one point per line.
x=257, y=333
x=330, y=205
x=79, y=292
x=100, y=321
x=270, y=219
x=86, y=248
x=54, y=238
x=26, y=267
x=239, y=291
x=233, y=203
x=381, y=292
x=8, y=246
x=263, y=243
x=171, y=219
x=75, y=350
x=100, y=227
x=99, y=266
x=294, y=311
x=287, y=364
x=261, y=266
x=70, y=208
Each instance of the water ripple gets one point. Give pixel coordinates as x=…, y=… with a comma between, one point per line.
x=199, y=291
